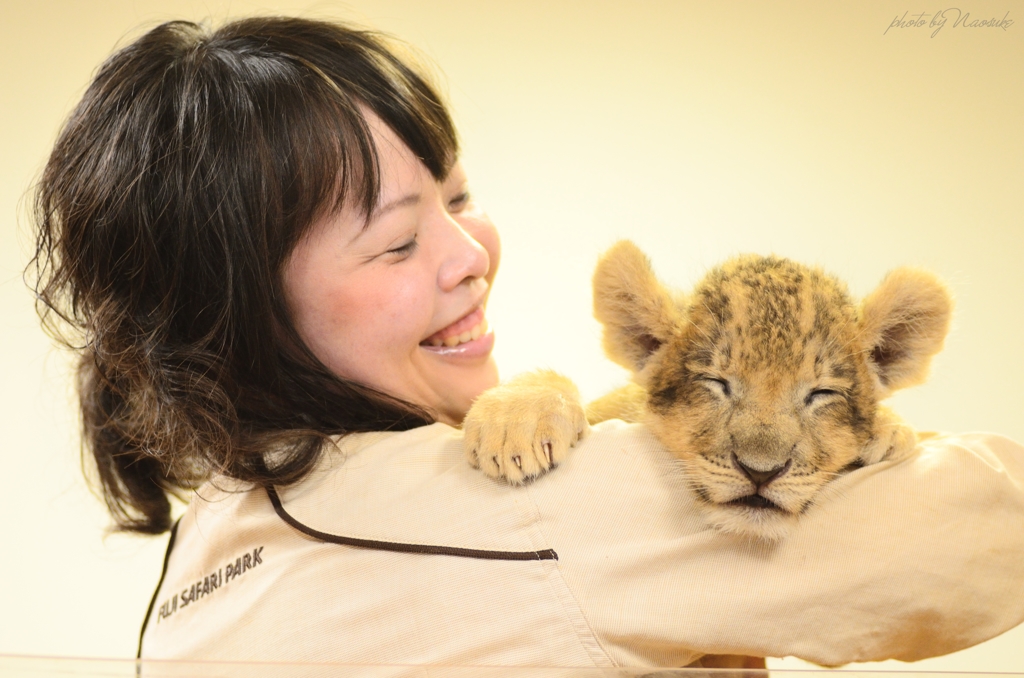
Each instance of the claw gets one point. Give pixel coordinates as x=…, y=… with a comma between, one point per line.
x=518, y=462
x=547, y=451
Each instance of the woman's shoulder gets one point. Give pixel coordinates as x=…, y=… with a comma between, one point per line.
x=415, y=487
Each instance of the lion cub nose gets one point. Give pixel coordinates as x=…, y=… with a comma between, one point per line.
x=760, y=478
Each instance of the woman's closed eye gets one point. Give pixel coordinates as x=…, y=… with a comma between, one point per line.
x=404, y=250
x=459, y=202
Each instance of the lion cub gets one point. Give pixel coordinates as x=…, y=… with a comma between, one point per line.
x=765, y=382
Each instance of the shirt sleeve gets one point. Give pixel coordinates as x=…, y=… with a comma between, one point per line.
x=895, y=561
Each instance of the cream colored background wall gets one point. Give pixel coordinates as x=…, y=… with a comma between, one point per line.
x=697, y=129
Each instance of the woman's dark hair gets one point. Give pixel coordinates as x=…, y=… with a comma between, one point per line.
x=174, y=194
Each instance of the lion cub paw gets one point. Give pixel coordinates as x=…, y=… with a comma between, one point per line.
x=525, y=427
x=895, y=442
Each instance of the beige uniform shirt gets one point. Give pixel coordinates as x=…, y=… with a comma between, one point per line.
x=603, y=562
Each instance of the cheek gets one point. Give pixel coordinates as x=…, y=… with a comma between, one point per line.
x=492, y=243
x=710, y=416
x=689, y=431
x=833, y=444
x=359, y=325
x=384, y=316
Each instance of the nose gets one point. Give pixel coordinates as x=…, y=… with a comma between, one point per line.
x=464, y=258
x=758, y=477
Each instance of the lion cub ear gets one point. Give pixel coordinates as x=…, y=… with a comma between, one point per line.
x=637, y=311
x=904, y=323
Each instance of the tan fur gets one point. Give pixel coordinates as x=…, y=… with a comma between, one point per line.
x=765, y=381
x=524, y=427
x=627, y=403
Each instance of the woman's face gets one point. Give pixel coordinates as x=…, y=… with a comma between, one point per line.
x=397, y=302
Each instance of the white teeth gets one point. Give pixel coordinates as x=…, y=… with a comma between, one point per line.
x=471, y=334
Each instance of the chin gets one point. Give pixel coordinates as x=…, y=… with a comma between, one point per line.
x=764, y=524
x=454, y=409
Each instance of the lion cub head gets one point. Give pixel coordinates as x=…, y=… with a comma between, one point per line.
x=766, y=380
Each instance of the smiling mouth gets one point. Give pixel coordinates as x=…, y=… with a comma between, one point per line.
x=469, y=328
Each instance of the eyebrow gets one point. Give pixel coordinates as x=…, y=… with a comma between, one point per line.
x=381, y=210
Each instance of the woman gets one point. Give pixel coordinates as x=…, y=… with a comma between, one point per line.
x=267, y=242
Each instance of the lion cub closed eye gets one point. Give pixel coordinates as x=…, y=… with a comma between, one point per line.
x=765, y=382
